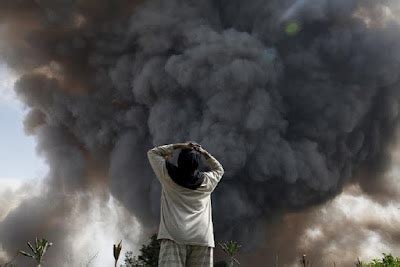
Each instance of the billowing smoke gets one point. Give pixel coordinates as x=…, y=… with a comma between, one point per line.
x=297, y=99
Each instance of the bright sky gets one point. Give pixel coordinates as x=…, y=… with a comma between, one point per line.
x=18, y=159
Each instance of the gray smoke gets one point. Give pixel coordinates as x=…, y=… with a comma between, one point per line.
x=295, y=98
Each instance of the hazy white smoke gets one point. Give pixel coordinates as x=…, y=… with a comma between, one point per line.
x=96, y=227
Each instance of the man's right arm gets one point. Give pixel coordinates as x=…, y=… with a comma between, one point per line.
x=216, y=170
x=158, y=155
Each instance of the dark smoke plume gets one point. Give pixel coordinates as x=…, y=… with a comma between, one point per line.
x=294, y=97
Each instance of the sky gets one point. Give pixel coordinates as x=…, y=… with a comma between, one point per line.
x=18, y=158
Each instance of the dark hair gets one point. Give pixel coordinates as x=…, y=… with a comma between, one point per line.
x=186, y=174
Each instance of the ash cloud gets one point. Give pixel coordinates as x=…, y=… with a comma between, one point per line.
x=292, y=117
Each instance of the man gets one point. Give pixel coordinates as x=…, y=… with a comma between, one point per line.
x=186, y=228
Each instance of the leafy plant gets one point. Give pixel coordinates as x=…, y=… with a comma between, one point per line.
x=41, y=246
x=117, y=251
x=387, y=261
x=149, y=253
x=231, y=248
x=131, y=261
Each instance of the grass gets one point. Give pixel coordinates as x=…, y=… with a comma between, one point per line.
x=149, y=256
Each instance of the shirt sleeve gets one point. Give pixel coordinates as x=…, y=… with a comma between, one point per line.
x=156, y=158
x=215, y=174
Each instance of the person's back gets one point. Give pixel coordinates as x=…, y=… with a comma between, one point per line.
x=186, y=227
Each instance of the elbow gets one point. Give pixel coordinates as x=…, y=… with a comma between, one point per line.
x=222, y=171
x=150, y=152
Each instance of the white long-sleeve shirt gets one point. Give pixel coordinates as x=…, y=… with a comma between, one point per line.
x=186, y=215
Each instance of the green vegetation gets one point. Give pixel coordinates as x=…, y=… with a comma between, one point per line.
x=231, y=248
x=41, y=246
x=130, y=260
x=149, y=255
x=116, y=252
x=387, y=261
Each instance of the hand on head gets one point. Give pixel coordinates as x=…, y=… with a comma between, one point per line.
x=191, y=145
x=195, y=146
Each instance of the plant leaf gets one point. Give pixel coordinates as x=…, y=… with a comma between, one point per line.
x=26, y=254
x=31, y=247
